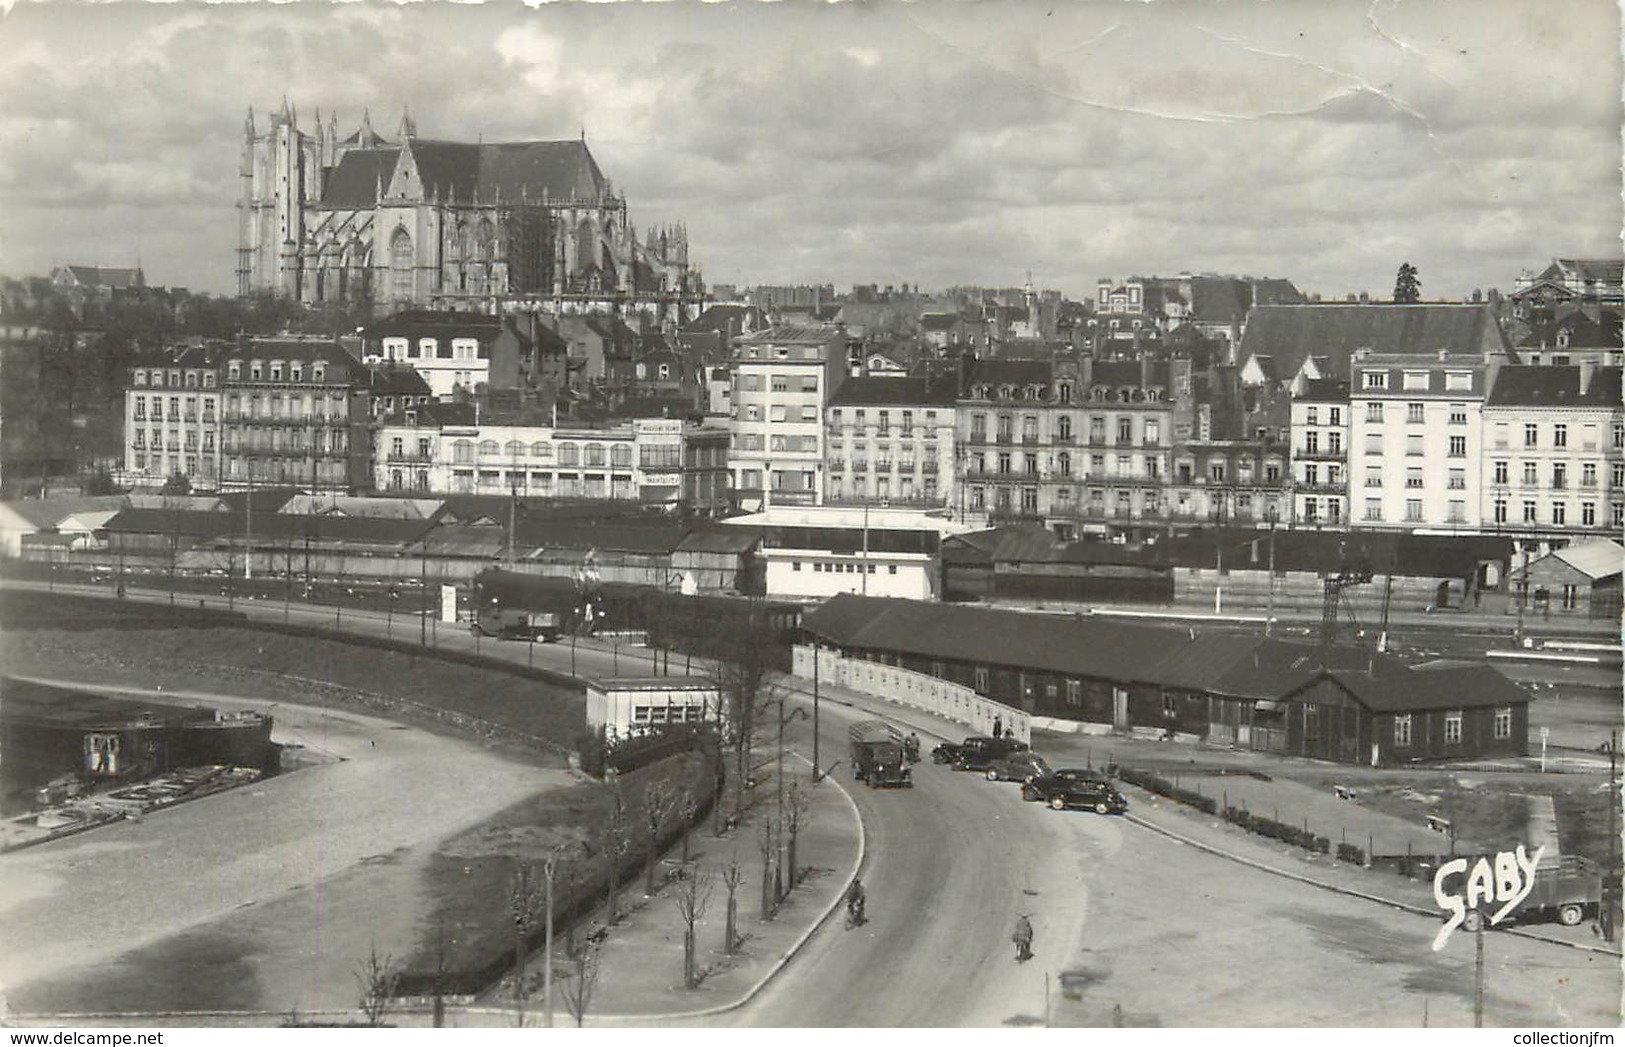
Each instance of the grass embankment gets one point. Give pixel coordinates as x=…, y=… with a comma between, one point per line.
x=116, y=644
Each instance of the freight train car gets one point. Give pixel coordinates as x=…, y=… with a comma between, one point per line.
x=507, y=603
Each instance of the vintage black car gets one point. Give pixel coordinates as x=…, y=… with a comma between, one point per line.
x=1018, y=766
x=978, y=752
x=1072, y=787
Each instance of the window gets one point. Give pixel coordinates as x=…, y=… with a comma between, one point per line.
x=1500, y=510
x=1500, y=473
x=1311, y=475
x=1373, y=413
x=1336, y=416
x=1528, y=512
x=1415, y=413
x=1413, y=476
x=1457, y=511
x=1560, y=476
x=1375, y=380
x=1416, y=380
x=1402, y=730
x=1311, y=415
x=1559, y=513
x=1413, y=445
x=1530, y=474
x=1571, y=596
x=1457, y=480
x=1588, y=514
x=979, y=679
x=978, y=427
x=1560, y=435
x=1373, y=509
x=1311, y=442
x=1503, y=722
x=1413, y=510
x=1616, y=475
x=1452, y=728
x=1458, y=381
x=1588, y=474
x=1458, y=415
x=1170, y=707
x=1458, y=447
x=1531, y=435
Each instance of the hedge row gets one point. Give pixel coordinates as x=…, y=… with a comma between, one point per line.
x=1163, y=787
x=1274, y=830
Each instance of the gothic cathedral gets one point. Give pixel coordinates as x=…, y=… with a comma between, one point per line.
x=419, y=223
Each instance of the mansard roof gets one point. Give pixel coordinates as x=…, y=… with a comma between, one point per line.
x=1555, y=386
x=872, y=391
x=464, y=172
x=1289, y=333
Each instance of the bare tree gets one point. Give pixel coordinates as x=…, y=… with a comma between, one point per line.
x=691, y=897
x=572, y=884
x=687, y=808
x=658, y=800
x=378, y=977
x=525, y=902
x=744, y=675
x=731, y=875
x=617, y=840
x=765, y=844
x=797, y=810
x=579, y=983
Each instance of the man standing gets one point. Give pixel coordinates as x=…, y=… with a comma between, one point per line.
x=1023, y=937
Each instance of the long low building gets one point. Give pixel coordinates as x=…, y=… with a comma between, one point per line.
x=1345, y=703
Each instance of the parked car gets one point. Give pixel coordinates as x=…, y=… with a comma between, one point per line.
x=1074, y=788
x=1034, y=788
x=977, y=752
x=1018, y=766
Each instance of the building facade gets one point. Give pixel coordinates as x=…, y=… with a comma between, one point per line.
x=1416, y=432
x=1320, y=461
x=1554, y=457
x=445, y=449
x=172, y=420
x=1083, y=446
x=891, y=442
x=297, y=412
x=783, y=379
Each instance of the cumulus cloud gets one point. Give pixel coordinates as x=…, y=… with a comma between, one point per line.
x=928, y=143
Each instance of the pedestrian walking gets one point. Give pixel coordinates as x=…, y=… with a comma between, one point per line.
x=1023, y=937
x=998, y=727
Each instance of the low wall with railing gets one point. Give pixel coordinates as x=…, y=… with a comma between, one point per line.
x=951, y=701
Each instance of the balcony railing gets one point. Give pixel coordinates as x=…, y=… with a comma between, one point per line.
x=411, y=457
x=1319, y=455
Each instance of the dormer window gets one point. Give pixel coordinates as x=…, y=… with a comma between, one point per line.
x=276, y=370
x=318, y=371
x=140, y=377
x=256, y=371
x=296, y=372
x=175, y=379
x=234, y=371
x=191, y=379
x=1004, y=392
x=411, y=418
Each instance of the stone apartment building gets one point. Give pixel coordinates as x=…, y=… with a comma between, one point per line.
x=891, y=442
x=1083, y=446
x=1554, y=450
x=783, y=378
x=1416, y=434
x=1320, y=460
x=172, y=419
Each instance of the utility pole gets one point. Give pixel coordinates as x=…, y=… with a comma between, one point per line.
x=1523, y=594
x=1478, y=977
x=1610, y=880
x=817, y=767
x=1269, y=619
x=864, y=566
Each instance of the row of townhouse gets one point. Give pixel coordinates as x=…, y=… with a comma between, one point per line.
x=1462, y=444
x=450, y=449
x=226, y=416
x=1467, y=442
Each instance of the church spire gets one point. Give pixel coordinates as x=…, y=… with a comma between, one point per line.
x=409, y=129
x=248, y=124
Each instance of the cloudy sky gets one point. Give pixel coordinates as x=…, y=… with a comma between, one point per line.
x=931, y=142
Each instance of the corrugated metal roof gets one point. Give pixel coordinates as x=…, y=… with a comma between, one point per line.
x=1601, y=558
